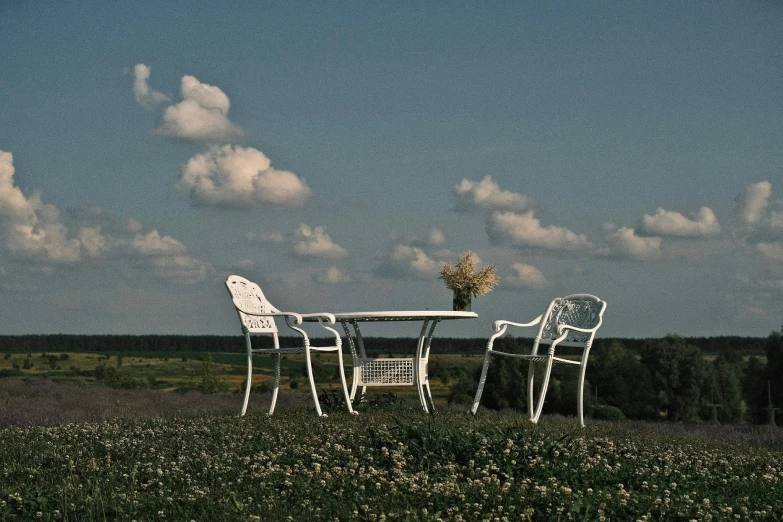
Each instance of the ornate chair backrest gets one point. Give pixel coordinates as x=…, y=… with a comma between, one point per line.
x=249, y=296
x=579, y=310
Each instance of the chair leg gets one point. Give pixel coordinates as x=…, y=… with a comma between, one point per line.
x=542, y=392
x=312, y=385
x=531, y=376
x=249, y=382
x=581, y=393
x=482, y=381
x=277, y=385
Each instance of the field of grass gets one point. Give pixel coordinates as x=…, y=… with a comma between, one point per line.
x=397, y=464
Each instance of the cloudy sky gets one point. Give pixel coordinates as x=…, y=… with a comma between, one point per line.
x=339, y=153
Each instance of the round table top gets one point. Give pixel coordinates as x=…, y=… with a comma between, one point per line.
x=401, y=315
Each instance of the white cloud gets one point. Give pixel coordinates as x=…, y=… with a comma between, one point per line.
x=526, y=276
x=486, y=194
x=141, y=90
x=240, y=176
x=436, y=237
x=201, y=116
x=152, y=244
x=669, y=223
x=771, y=251
x=624, y=242
x=272, y=237
x=752, y=204
x=524, y=230
x=406, y=261
x=243, y=265
x=763, y=229
x=416, y=259
x=33, y=230
x=181, y=269
x=315, y=242
x=331, y=276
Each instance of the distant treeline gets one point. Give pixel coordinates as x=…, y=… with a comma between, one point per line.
x=374, y=345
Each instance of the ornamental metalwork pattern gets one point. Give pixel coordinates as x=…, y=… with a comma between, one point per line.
x=580, y=313
x=250, y=297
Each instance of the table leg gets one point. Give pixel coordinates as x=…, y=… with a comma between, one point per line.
x=354, y=359
x=426, y=362
x=420, y=376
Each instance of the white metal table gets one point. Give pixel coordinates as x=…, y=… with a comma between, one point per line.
x=394, y=372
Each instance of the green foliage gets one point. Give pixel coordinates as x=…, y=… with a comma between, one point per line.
x=210, y=383
x=620, y=380
x=678, y=372
x=610, y=413
x=773, y=347
x=723, y=387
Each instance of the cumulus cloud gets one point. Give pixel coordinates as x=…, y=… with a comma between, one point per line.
x=486, y=194
x=771, y=251
x=152, y=244
x=240, y=176
x=524, y=230
x=315, y=242
x=436, y=237
x=181, y=269
x=33, y=230
x=244, y=265
x=331, y=276
x=411, y=259
x=763, y=227
x=623, y=242
x=752, y=204
x=669, y=223
x=272, y=237
x=525, y=275
x=141, y=90
x=201, y=116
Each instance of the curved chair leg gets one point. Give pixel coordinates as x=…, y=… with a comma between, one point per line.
x=277, y=385
x=482, y=381
x=581, y=393
x=542, y=392
x=531, y=375
x=312, y=385
x=429, y=394
x=249, y=379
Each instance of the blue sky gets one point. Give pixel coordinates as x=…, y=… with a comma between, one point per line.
x=338, y=153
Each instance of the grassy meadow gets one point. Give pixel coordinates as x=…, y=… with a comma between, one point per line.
x=393, y=464
x=159, y=449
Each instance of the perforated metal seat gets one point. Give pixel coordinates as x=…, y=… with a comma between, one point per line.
x=257, y=316
x=568, y=321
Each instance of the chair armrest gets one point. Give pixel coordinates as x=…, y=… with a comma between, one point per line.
x=325, y=318
x=498, y=324
x=320, y=315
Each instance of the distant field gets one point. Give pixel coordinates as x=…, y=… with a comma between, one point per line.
x=182, y=371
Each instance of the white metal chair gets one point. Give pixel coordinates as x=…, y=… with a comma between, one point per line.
x=257, y=316
x=568, y=321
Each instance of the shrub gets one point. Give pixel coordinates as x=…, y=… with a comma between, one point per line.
x=610, y=413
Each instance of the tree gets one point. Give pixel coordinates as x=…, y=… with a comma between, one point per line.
x=774, y=350
x=677, y=370
x=722, y=386
x=621, y=381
